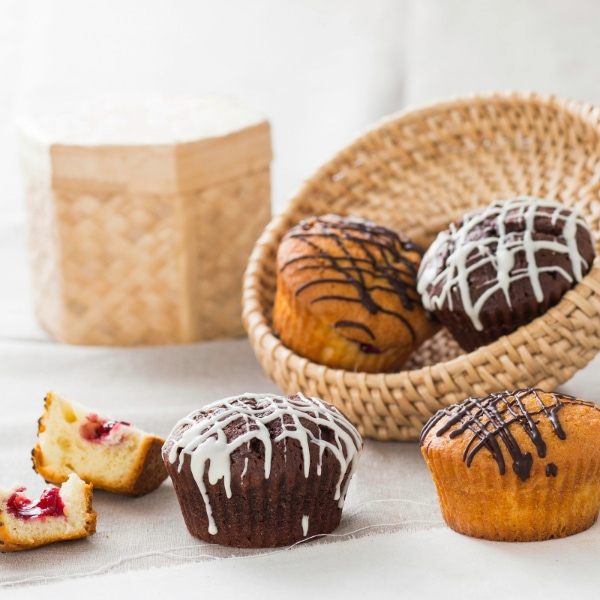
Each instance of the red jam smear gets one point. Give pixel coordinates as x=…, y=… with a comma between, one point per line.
x=50, y=504
x=96, y=429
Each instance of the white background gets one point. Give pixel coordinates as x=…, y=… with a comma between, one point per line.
x=320, y=70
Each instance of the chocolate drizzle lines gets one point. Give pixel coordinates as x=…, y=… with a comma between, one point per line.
x=489, y=421
x=360, y=326
x=380, y=256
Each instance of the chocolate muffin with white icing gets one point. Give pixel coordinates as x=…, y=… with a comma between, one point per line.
x=516, y=466
x=499, y=268
x=260, y=470
x=346, y=294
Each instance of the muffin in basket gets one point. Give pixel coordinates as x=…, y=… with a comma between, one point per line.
x=260, y=470
x=346, y=294
x=421, y=170
x=516, y=466
x=499, y=268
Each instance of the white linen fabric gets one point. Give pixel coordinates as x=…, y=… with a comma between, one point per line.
x=321, y=71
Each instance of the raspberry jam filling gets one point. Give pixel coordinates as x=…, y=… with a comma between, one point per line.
x=50, y=504
x=96, y=429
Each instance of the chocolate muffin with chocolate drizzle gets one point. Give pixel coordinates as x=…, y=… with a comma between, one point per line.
x=346, y=294
x=516, y=466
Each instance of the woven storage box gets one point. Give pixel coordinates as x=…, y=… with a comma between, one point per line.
x=143, y=214
x=418, y=171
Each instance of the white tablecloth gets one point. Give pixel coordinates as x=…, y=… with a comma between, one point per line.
x=321, y=71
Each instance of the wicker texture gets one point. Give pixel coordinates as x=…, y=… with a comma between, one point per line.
x=142, y=214
x=135, y=269
x=416, y=172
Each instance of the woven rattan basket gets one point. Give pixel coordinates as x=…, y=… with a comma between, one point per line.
x=416, y=172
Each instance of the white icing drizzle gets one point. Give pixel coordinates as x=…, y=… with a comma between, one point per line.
x=205, y=440
x=456, y=272
x=245, y=468
x=304, y=524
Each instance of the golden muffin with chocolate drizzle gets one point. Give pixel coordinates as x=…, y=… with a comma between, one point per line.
x=516, y=466
x=346, y=294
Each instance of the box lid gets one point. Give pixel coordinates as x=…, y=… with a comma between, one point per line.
x=150, y=145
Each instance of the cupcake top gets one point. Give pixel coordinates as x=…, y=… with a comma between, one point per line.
x=348, y=270
x=513, y=427
x=542, y=245
x=214, y=436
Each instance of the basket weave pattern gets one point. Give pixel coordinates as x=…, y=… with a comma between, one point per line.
x=416, y=172
x=128, y=269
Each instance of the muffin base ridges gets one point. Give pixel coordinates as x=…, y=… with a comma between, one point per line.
x=283, y=510
x=312, y=338
x=480, y=504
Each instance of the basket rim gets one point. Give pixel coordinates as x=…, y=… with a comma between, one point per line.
x=585, y=111
x=261, y=333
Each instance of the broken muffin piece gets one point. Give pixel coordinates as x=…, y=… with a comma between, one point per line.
x=59, y=514
x=112, y=455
